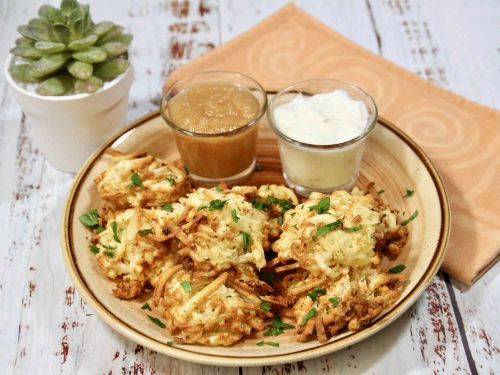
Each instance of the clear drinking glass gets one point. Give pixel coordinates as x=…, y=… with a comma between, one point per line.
x=227, y=156
x=321, y=168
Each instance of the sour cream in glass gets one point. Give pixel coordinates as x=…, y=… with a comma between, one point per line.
x=322, y=135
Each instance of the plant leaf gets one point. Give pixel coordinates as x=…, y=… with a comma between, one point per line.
x=114, y=49
x=47, y=65
x=124, y=38
x=88, y=86
x=111, y=34
x=56, y=85
x=83, y=43
x=27, y=51
x=18, y=72
x=49, y=47
x=80, y=70
x=102, y=28
x=91, y=55
x=67, y=6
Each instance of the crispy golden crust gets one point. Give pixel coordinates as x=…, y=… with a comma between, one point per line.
x=162, y=182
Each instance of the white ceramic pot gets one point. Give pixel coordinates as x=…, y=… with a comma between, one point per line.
x=69, y=128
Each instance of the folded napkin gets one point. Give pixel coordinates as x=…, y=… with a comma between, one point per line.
x=460, y=136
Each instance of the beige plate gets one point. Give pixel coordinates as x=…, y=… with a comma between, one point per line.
x=392, y=160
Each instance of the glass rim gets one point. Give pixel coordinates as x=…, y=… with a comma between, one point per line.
x=253, y=121
x=288, y=89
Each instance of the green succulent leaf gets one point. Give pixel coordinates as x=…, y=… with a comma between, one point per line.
x=45, y=12
x=88, y=86
x=83, y=43
x=113, y=33
x=111, y=69
x=56, y=85
x=49, y=47
x=124, y=38
x=28, y=51
x=91, y=55
x=67, y=6
x=18, y=72
x=60, y=33
x=34, y=32
x=80, y=69
x=47, y=65
x=23, y=42
x=102, y=28
x=114, y=49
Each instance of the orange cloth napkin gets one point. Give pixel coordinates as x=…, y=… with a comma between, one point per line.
x=460, y=136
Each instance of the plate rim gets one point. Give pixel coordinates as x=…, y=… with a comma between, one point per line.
x=220, y=360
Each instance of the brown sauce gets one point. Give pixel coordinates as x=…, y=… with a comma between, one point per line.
x=215, y=108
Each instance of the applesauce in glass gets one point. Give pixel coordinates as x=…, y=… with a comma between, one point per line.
x=214, y=117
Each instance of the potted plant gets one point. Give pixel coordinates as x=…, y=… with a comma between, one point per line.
x=71, y=78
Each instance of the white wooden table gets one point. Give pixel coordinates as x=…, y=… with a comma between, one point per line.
x=45, y=326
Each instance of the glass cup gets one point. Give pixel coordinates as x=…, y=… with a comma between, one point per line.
x=212, y=158
x=318, y=167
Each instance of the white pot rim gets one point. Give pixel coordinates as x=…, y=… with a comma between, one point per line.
x=63, y=98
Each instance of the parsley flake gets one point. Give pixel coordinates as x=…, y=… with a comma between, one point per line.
x=270, y=343
x=247, y=240
x=308, y=316
x=144, y=232
x=314, y=294
x=186, y=169
x=322, y=207
x=354, y=229
x=168, y=207
x=219, y=189
x=90, y=219
x=216, y=204
x=170, y=180
x=380, y=192
x=146, y=307
x=109, y=254
x=114, y=227
x=235, y=216
x=280, y=220
x=100, y=229
x=260, y=205
x=409, y=193
x=136, y=180
x=277, y=327
x=397, y=269
x=411, y=218
x=94, y=249
x=186, y=285
x=328, y=228
x=170, y=343
x=266, y=306
x=157, y=321
x=335, y=301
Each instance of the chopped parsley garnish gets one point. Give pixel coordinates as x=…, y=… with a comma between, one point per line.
x=144, y=232
x=411, y=218
x=235, y=216
x=114, y=227
x=219, y=189
x=146, y=307
x=280, y=220
x=90, y=219
x=354, y=229
x=266, y=306
x=285, y=204
x=328, y=228
x=136, y=180
x=267, y=277
x=186, y=285
x=397, y=269
x=157, y=321
x=247, y=240
x=409, y=193
x=94, y=249
x=260, y=205
x=100, y=229
x=380, y=191
x=335, y=301
x=270, y=343
x=170, y=343
x=168, y=207
x=308, y=316
x=109, y=247
x=216, y=204
x=314, y=294
x=186, y=169
x=109, y=254
x=171, y=180
x=322, y=207
x=277, y=327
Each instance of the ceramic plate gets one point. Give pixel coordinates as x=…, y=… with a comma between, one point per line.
x=391, y=159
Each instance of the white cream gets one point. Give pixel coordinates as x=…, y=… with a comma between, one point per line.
x=321, y=119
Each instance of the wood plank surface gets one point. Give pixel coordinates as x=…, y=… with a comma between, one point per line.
x=45, y=326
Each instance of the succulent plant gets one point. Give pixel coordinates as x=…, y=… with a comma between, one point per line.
x=66, y=53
